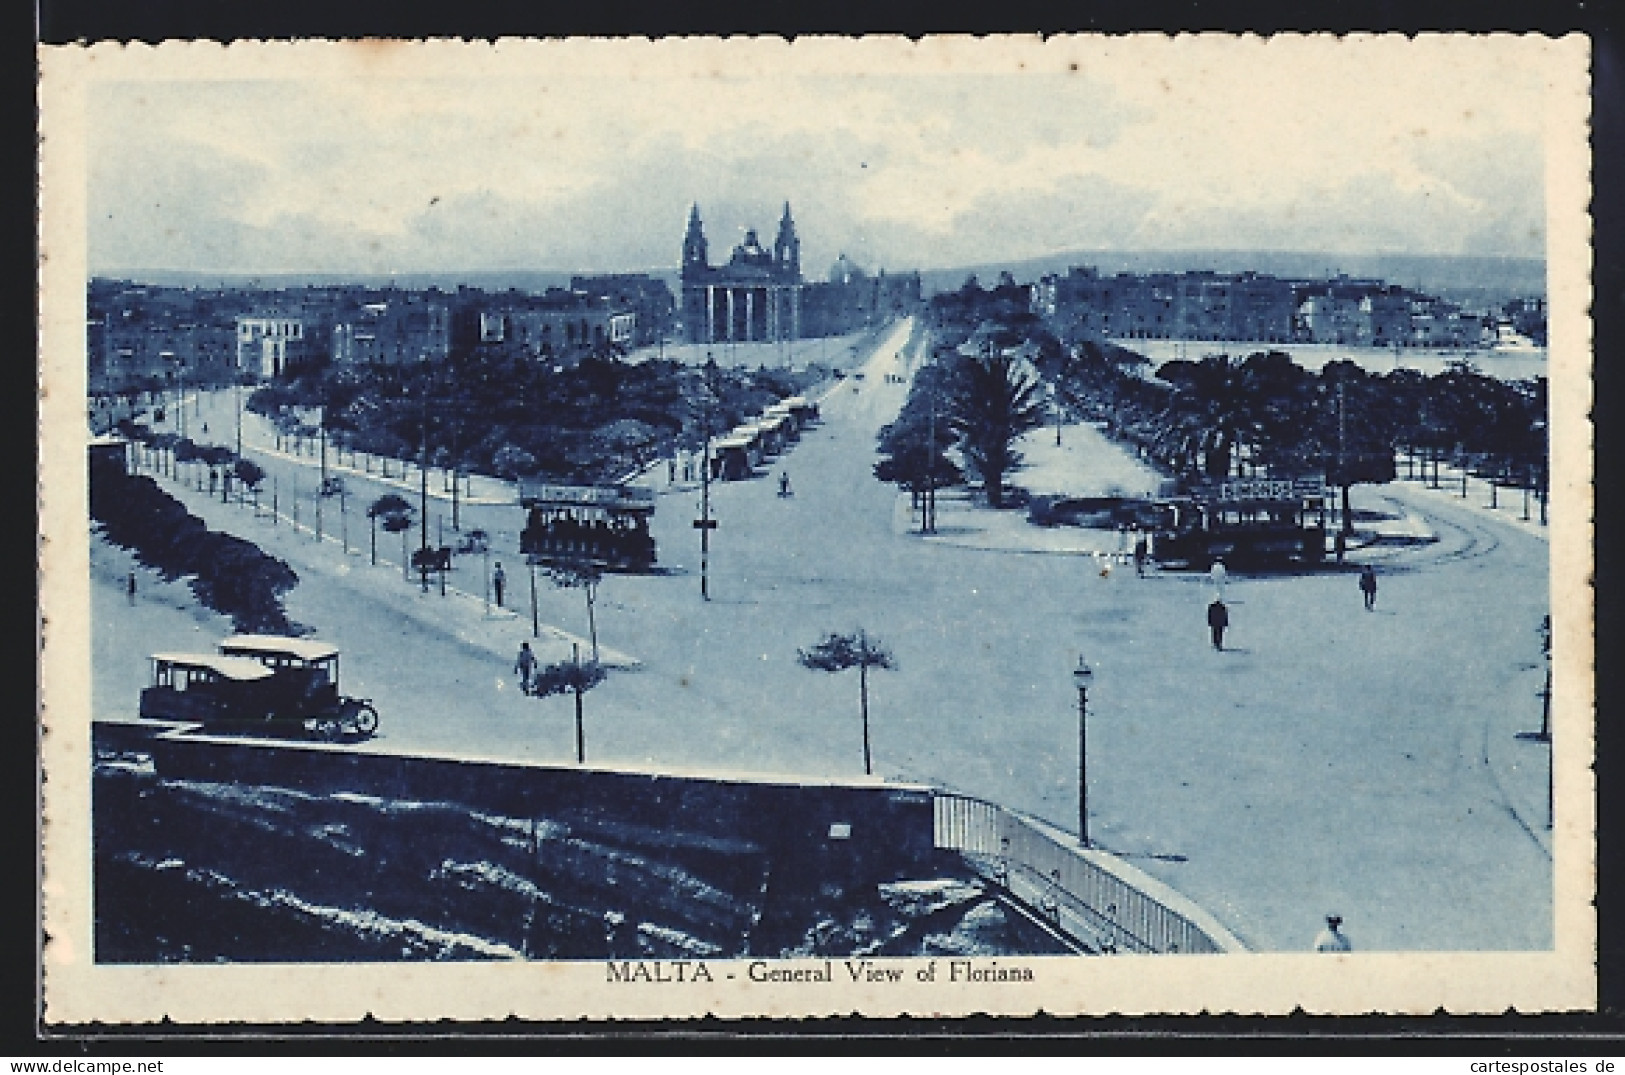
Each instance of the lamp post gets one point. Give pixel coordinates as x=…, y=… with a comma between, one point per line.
x=1081, y=676
x=423, y=495
x=705, y=524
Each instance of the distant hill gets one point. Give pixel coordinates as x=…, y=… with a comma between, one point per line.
x=1460, y=278
x=1449, y=276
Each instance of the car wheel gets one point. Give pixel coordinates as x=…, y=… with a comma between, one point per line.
x=366, y=719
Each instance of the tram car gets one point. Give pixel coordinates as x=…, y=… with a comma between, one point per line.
x=607, y=525
x=1244, y=522
x=804, y=410
x=259, y=683
x=784, y=420
x=733, y=458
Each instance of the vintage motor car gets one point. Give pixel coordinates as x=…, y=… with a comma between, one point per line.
x=258, y=683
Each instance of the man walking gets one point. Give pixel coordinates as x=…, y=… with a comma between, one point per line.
x=525, y=666
x=499, y=579
x=1368, y=586
x=1139, y=554
x=1218, y=618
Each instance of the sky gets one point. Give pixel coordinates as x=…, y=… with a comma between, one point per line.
x=1425, y=148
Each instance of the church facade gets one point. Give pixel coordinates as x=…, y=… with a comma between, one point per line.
x=755, y=295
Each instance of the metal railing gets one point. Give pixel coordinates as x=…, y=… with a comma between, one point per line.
x=1081, y=897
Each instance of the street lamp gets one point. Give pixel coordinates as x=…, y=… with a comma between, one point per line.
x=705, y=524
x=1081, y=676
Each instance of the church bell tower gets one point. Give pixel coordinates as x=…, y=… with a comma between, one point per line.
x=696, y=260
x=787, y=248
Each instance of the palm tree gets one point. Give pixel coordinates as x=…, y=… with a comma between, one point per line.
x=996, y=400
x=837, y=653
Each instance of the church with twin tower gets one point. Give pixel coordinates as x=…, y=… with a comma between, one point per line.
x=755, y=295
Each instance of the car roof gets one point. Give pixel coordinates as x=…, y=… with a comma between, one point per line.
x=306, y=649
x=239, y=668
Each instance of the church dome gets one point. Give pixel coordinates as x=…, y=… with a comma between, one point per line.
x=845, y=271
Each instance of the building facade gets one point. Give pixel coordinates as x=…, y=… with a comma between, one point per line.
x=270, y=345
x=559, y=325
x=398, y=329
x=755, y=295
x=648, y=300
x=1192, y=306
x=144, y=353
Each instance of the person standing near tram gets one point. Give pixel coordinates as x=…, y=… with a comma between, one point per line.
x=1218, y=618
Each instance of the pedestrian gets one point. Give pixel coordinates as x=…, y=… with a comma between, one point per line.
x=1341, y=544
x=1368, y=586
x=499, y=579
x=784, y=483
x=1218, y=618
x=1139, y=554
x=1218, y=575
x=130, y=588
x=1332, y=939
x=525, y=666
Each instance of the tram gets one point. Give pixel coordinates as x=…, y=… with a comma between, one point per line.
x=1244, y=521
x=604, y=524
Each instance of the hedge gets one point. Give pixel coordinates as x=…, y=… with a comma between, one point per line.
x=231, y=576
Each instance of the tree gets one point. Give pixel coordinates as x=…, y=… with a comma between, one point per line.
x=249, y=476
x=1356, y=433
x=911, y=446
x=584, y=574
x=837, y=653
x=1204, y=415
x=995, y=400
x=396, y=513
x=511, y=461
x=914, y=467
x=570, y=676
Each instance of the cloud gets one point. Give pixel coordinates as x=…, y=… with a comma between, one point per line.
x=1283, y=144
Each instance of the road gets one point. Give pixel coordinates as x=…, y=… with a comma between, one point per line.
x=1333, y=760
